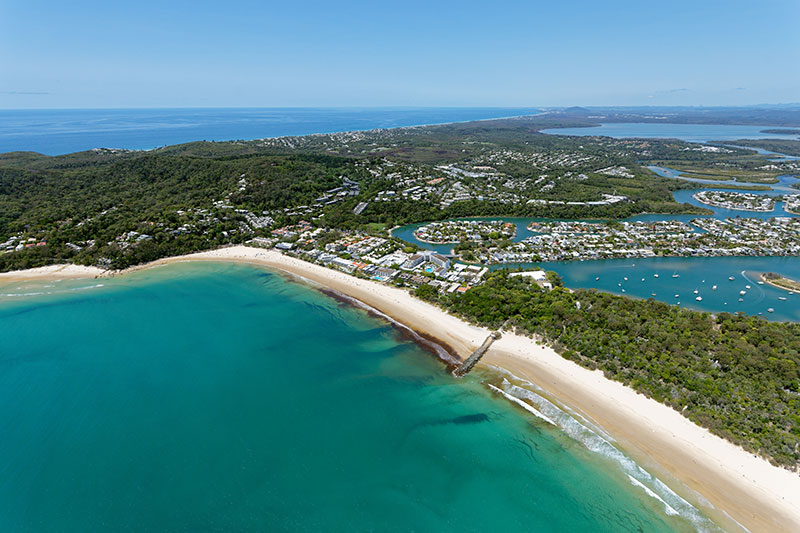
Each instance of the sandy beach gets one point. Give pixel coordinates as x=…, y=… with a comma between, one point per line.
x=53, y=272
x=691, y=460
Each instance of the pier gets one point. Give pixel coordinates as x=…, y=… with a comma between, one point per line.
x=464, y=368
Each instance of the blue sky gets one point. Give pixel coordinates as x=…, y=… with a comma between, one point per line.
x=56, y=54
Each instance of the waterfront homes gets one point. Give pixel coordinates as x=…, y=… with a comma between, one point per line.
x=792, y=203
x=578, y=241
x=454, y=231
x=737, y=200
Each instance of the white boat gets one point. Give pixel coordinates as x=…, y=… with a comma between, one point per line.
x=731, y=278
x=642, y=279
x=699, y=298
x=760, y=282
x=781, y=297
x=652, y=294
x=742, y=292
x=597, y=278
x=676, y=275
x=747, y=287
x=623, y=290
x=714, y=288
x=770, y=310
x=655, y=275
x=677, y=296
x=626, y=279
x=741, y=300
x=696, y=291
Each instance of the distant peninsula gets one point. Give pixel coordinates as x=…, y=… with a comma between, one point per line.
x=783, y=131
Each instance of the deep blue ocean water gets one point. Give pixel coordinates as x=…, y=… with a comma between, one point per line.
x=200, y=397
x=54, y=132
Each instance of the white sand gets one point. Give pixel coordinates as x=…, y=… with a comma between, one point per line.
x=756, y=494
x=53, y=272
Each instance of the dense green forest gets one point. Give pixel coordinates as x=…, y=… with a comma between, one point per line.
x=115, y=208
x=737, y=375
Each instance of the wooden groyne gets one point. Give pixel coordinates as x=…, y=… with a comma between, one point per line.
x=473, y=359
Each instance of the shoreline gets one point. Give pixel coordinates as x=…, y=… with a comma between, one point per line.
x=748, y=489
x=751, y=210
x=768, y=281
x=53, y=272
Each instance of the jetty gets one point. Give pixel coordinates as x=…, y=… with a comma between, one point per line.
x=464, y=368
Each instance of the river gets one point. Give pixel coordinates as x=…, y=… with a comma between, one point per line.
x=692, y=273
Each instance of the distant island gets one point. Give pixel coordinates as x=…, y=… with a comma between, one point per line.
x=783, y=131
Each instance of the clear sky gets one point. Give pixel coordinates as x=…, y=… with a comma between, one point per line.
x=165, y=53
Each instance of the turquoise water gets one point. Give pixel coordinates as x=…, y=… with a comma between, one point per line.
x=686, y=132
x=201, y=397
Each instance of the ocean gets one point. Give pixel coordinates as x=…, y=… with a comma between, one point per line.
x=62, y=131
x=211, y=396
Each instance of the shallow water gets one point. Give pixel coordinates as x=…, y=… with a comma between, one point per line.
x=224, y=397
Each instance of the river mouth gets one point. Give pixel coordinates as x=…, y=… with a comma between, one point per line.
x=666, y=277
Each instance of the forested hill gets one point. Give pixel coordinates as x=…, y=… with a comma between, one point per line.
x=117, y=207
x=737, y=375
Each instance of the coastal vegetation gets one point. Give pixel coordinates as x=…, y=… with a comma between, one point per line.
x=783, y=131
x=737, y=375
x=115, y=208
x=781, y=282
x=781, y=146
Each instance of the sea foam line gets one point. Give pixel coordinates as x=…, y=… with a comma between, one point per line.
x=522, y=404
x=597, y=443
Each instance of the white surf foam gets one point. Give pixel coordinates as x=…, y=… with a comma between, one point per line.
x=596, y=442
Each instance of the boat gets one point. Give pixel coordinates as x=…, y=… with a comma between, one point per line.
x=747, y=287
x=642, y=279
x=731, y=278
x=625, y=279
x=676, y=275
x=781, y=297
x=655, y=275
x=742, y=292
x=696, y=291
x=770, y=310
x=714, y=288
x=652, y=294
x=677, y=296
x=741, y=300
x=699, y=298
x=597, y=278
x=623, y=290
x=760, y=282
